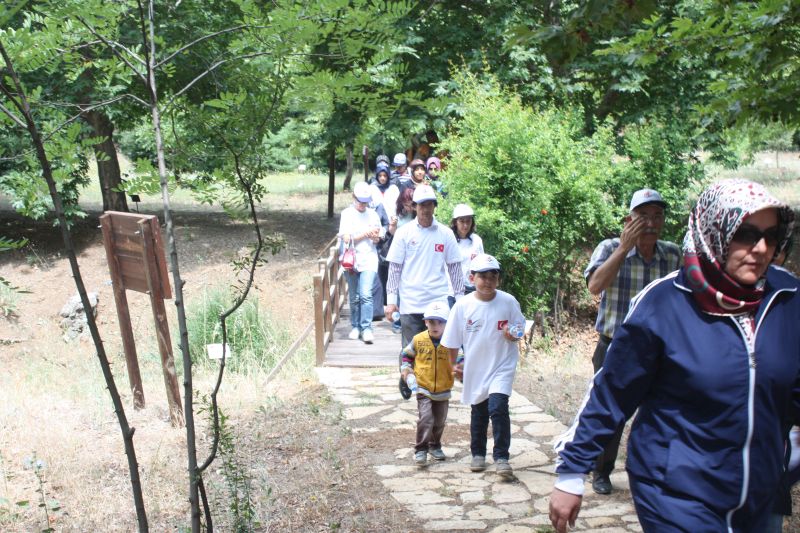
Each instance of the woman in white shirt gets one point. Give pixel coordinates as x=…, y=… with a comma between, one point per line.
x=469, y=243
x=361, y=225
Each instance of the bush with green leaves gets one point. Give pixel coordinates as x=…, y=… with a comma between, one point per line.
x=255, y=340
x=545, y=192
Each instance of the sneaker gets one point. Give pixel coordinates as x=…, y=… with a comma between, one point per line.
x=421, y=458
x=367, y=336
x=354, y=334
x=438, y=454
x=504, y=469
x=601, y=484
x=478, y=463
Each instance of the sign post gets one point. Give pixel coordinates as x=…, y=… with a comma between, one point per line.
x=136, y=261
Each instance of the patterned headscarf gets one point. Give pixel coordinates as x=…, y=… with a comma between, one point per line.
x=719, y=212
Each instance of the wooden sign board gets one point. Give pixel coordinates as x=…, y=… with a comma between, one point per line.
x=127, y=245
x=136, y=261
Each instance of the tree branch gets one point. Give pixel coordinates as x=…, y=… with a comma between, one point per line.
x=196, y=41
x=18, y=121
x=112, y=46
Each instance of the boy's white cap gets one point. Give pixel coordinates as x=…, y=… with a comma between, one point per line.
x=462, y=210
x=399, y=159
x=437, y=311
x=646, y=196
x=423, y=193
x=483, y=263
x=361, y=192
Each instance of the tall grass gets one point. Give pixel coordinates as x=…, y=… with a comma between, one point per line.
x=255, y=340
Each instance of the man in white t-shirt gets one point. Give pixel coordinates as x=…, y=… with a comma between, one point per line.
x=480, y=323
x=422, y=256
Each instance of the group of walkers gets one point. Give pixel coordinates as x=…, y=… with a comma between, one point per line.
x=701, y=341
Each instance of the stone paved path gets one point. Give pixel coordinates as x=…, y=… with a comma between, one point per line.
x=446, y=496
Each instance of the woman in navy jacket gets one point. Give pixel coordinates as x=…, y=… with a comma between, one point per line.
x=710, y=356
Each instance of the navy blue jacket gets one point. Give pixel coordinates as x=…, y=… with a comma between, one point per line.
x=711, y=418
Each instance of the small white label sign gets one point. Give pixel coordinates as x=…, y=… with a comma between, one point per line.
x=215, y=351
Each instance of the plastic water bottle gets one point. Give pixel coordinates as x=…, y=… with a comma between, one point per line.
x=411, y=381
x=517, y=330
x=395, y=316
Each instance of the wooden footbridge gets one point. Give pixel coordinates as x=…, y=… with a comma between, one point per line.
x=332, y=322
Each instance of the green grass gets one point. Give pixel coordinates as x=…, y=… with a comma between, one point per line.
x=257, y=342
x=277, y=184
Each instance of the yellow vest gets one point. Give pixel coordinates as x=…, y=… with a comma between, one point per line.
x=432, y=365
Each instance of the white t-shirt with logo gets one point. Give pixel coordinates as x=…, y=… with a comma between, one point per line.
x=490, y=360
x=353, y=222
x=469, y=248
x=424, y=254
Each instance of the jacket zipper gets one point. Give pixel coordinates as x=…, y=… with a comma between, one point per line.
x=750, y=408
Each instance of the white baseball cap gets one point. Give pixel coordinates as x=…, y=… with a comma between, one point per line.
x=399, y=159
x=646, y=196
x=484, y=263
x=438, y=310
x=462, y=210
x=423, y=193
x=361, y=192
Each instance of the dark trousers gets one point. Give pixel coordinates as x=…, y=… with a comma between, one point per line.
x=411, y=325
x=430, y=425
x=605, y=461
x=495, y=408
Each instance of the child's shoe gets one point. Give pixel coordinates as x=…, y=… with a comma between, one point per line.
x=504, y=469
x=438, y=454
x=478, y=463
x=354, y=334
x=421, y=458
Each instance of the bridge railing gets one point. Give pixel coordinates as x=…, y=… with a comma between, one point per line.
x=330, y=291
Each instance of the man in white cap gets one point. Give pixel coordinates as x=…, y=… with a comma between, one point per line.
x=423, y=254
x=618, y=270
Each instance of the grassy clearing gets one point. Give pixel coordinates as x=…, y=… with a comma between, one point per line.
x=783, y=179
x=278, y=184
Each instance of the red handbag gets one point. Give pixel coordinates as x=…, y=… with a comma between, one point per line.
x=349, y=257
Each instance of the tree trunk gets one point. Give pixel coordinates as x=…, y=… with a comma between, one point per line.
x=107, y=163
x=331, y=179
x=349, y=175
x=69, y=248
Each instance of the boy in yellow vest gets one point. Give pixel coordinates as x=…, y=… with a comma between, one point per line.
x=427, y=369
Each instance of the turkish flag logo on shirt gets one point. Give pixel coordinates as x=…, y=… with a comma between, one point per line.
x=501, y=324
x=438, y=247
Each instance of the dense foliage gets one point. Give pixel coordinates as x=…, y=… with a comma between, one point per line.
x=545, y=192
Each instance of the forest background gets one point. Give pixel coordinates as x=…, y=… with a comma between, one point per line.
x=551, y=114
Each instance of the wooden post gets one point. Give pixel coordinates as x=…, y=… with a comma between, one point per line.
x=365, y=153
x=162, y=326
x=123, y=315
x=319, y=326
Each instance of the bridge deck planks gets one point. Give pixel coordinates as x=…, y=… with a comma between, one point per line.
x=344, y=352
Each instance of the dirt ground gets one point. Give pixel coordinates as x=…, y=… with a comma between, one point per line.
x=304, y=469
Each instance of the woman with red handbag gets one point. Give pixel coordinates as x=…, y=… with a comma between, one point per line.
x=360, y=229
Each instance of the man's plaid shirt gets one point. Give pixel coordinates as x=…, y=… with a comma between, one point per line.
x=634, y=275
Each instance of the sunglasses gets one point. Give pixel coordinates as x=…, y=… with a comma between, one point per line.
x=750, y=235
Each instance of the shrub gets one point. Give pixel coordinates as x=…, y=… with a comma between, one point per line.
x=536, y=183
x=545, y=192
x=256, y=341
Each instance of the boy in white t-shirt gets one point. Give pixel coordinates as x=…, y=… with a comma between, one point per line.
x=479, y=322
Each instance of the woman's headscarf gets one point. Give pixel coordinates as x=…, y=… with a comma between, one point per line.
x=719, y=212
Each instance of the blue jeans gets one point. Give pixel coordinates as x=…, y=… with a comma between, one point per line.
x=359, y=287
x=496, y=408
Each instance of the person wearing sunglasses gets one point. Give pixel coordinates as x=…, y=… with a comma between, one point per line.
x=710, y=358
x=618, y=270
